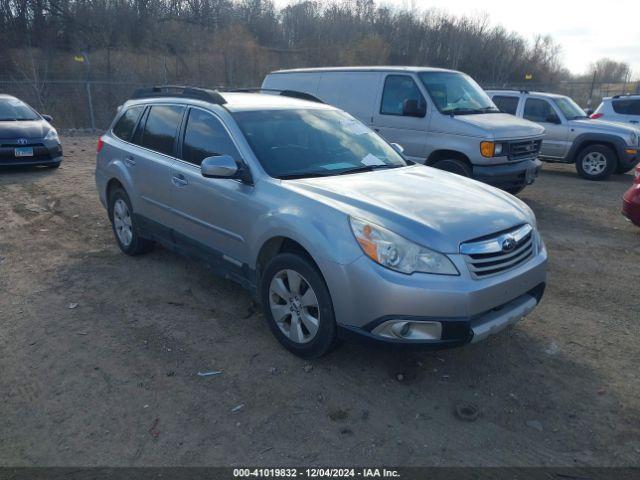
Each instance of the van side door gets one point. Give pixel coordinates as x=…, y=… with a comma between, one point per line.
x=392, y=121
x=555, y=143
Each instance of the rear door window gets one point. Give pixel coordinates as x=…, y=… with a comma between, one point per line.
x=123, y=129
x=506, y=103
x=627, y=106
x=397, y=89
x=161, y=128
x=205, y=137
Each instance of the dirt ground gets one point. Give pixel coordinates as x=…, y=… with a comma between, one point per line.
x=99, y=352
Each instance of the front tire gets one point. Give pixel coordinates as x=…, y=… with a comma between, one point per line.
x=453, y=165
x=124, y=228
x=596, y=162
x=297, y=305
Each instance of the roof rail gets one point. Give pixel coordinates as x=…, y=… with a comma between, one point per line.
x=283, y=93
x=212, y=96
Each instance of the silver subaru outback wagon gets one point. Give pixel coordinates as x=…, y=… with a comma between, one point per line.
x=325, y=222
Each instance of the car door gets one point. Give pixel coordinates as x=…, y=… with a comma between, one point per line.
x=555, y=143
x=390, y=121
x=149, y=162
x=211, y=213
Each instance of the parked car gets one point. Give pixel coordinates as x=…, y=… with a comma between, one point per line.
x=26, y=137
x=325, y=222
x=442, y=118
x=597, y=148
x=631, y=200
x=619, y=108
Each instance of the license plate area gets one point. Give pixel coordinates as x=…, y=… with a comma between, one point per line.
x=24, y=152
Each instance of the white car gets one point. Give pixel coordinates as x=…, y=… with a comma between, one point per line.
x=619, y=108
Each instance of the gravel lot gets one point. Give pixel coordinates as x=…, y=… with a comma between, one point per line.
x=99, y=352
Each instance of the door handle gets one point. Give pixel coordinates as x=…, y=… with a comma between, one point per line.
x=129, y=161
x=179, y=181
x=633, y=121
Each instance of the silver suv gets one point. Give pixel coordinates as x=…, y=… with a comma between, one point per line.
x=619, y=108
x=598, y=148
x=325, y=222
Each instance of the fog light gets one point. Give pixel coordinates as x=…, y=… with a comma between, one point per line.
x=409, y=330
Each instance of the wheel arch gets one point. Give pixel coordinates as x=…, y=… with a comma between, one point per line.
x=590, y=139
x=443, y=154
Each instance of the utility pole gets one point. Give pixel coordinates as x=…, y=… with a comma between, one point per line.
x=84, y=58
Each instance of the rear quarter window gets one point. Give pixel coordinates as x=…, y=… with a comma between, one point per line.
x=506, y=103
x=627, y=106
x=124, y=128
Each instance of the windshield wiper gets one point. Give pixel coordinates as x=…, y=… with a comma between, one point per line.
x=468, y=111
x=366, y=168
x=293, y=176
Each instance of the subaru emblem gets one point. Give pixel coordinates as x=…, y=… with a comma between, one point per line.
x=508, y=244
x=22, y=141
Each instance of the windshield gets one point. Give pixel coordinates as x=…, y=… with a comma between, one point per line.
x=456, y=93
x=307, y=143
x=12, y=109
x=569, y=108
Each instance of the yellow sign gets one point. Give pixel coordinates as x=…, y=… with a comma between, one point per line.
x=528, y=76
x=78, y=58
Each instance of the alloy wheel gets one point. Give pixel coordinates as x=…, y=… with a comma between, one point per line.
x=294, y=306
x=122, y=222
x=594, y=163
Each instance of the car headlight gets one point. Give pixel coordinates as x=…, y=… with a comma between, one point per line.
x=52, y=135
x=492, y=149
x=634, y=139
x=396, y=253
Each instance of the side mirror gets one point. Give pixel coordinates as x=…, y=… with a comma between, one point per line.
x=552, y=119
x=410, y=108
x=48, y=118
x=589, y=112
x=398, y=148
x=220, y=166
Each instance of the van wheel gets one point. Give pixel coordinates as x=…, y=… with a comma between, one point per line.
x=454, y=165
x=297, y=305
x=596, y=162
x=124, y=228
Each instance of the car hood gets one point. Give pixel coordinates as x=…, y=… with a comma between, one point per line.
x=436, y=209
x=33, y=129
x=603, y=126
x=501, y=126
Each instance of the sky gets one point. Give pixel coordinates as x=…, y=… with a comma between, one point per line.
x=585, y=30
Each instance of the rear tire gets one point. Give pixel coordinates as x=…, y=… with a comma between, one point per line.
x=53, y=166
x=297, y=305
x=453, y=165
x=596, y=162
x=123, y=225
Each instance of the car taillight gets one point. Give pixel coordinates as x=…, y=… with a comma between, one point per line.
x=596, y=115
x=100, y=145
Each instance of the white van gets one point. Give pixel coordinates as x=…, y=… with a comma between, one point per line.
x=440, y=117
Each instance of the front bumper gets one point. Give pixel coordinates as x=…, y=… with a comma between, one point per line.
x=628, y=157
x=456, y=332
x=365, y=295
x=509, y=175
x=44, y=153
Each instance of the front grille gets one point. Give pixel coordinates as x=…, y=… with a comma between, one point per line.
x=40, y=152
x=520, y=150
x=499, y=253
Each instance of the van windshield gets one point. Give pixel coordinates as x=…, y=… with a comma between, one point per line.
x=300, y=143
x=455, y=93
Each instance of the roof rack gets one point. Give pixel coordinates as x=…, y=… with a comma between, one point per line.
x=283, y=93
x=212, y=96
